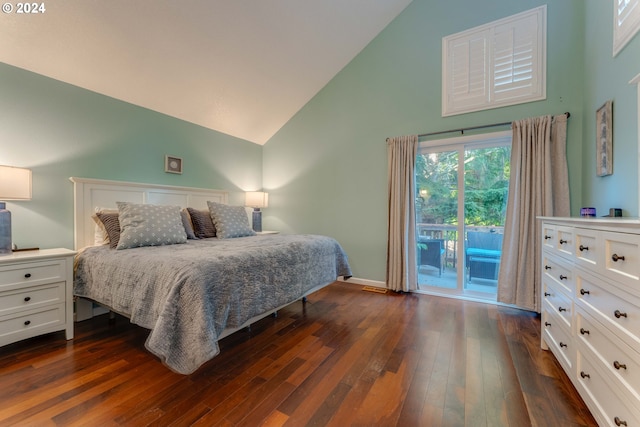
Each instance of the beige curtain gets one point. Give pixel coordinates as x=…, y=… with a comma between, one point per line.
x=539, y=186
x=401, y=236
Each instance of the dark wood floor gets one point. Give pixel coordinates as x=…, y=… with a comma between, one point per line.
x=346, y=357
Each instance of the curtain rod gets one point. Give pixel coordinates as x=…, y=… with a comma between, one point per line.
x=461, y=130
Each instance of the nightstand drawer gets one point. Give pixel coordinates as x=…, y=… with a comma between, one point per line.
x=31, y=298
x=31, y=323
x=31, y=273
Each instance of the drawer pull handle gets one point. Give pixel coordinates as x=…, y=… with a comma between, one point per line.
x=547, y=324
x=547, y=294
x=619, y=422
x=584, y=375
x=619, y=365
x=562, y=242
x=562, y=344
x=27, y=275
x=563, y=277
x=619, y=314
x=616, y=257
x=547, y=237
x=583, y=248
x=27, y=299
x=584, y=331
x=27, y=322
x=560, y=309
x=583, y=292
x=546, y=267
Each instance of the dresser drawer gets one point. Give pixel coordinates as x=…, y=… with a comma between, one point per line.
x=608, y=407
x=558, y=338
x=611, y=306
x=549, y=238
x=559, y=271
x=618, y=359
x=588, y=248
x=565, y=240
x=622, y=258
x=32, y=322
x=556, y=301
x=31, y=297
x=31, y=273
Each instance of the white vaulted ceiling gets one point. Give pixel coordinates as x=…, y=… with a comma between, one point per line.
x=241, y=67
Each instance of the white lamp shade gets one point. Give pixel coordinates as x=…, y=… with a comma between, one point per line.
x=257, y=199
x=15, y=183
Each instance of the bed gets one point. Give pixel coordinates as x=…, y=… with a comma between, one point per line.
x=192, y=294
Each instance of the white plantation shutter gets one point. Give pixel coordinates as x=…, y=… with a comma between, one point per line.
x=498, y=64
x=469, y=68
x=626, y=22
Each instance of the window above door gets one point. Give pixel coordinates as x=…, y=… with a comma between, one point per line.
x=494, y=65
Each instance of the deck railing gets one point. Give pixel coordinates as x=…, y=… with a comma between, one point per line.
x=449, y=233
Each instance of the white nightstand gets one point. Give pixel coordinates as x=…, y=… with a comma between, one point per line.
x=36, y=294
x=260, y=233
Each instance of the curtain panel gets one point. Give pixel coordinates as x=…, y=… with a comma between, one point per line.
x=401, y=235
x=539, y=186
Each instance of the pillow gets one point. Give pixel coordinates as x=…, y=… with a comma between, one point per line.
x=202, y=224
x=149, y=225
x=109, y=222
x=230, y=221
x=100, y=236
x=186, y=223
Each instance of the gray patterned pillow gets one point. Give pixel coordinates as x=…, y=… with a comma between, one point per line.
x=230, y=221
x=149, y=225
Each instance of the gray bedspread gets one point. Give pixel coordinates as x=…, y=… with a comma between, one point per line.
x=187, y=294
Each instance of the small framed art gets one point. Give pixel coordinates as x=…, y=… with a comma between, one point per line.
x=604, y=140
x=172, y=164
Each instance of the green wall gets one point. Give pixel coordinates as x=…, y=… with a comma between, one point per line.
x=326, y=170
x=59, y=130
x=607, y=78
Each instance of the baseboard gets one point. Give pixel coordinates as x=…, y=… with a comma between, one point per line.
x=365, y=282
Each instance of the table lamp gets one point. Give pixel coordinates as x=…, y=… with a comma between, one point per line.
x=257, y=200
x=15, y=184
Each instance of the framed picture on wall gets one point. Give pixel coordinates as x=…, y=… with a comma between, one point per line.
x=172, y=164
x=604, y=140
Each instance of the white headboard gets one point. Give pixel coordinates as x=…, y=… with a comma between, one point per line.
x=89, y=194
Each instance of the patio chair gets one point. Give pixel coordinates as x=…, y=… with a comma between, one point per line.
x=483, y=254
x=431, y=252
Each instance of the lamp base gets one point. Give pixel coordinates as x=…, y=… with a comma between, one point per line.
x=5, y=230
x=256, y=220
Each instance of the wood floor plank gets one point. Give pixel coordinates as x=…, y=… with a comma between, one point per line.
x=346, y=357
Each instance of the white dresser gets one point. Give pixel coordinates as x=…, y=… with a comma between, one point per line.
x=36, y=294
x=591, y=311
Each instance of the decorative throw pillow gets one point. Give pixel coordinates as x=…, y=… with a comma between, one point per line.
x=108, y=220
x=186, y=222
x=230, y=221
x=202, y=224
x=149, y=225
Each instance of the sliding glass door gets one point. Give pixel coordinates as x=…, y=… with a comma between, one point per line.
x=462, y=186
